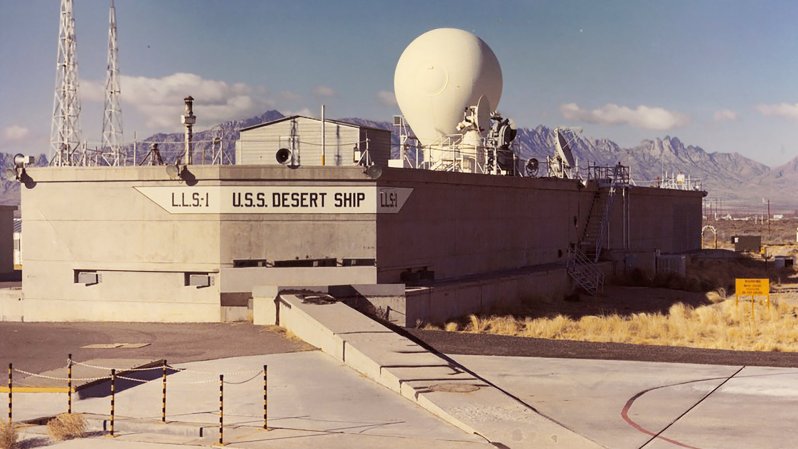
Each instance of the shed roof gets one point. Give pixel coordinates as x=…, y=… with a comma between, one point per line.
x=338, y=122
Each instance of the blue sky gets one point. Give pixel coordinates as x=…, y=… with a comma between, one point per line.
x=718, y=74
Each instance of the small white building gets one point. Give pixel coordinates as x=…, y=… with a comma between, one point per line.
x=341, y=143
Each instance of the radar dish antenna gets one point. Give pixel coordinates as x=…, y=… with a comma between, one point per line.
x=563, y=149
x=482, y=114
x=562, y=163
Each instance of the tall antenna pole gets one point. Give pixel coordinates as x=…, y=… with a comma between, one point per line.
x=112, y=114
x=65, y=134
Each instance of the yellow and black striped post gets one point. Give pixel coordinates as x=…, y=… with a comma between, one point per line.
x=163, y=402
x=113, y=394
x=69, y=383
x=221, y=409
x=10, y=388
x=265, y=397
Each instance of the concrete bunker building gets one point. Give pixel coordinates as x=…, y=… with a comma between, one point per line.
x=190, y=243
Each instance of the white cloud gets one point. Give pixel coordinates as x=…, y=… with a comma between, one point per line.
x=324, y=91
x=784, y=110
x=646, y=117
x=160, y=100
x=725, y=115
x=15, y=133
x=288, y=95
x=386, y=97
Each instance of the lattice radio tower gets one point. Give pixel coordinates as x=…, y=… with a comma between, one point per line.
x=112, y=115
x=65, y=134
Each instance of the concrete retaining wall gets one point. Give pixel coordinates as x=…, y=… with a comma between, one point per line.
x=11, y=304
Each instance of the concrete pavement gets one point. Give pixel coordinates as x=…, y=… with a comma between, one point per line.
x=375, y=388
x=316, y=402
x=443, y=388
x=313, y=401
x=622, y=404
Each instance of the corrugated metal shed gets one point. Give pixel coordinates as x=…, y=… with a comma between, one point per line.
x=345, y=142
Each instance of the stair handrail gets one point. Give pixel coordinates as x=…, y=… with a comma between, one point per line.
x=584, y=271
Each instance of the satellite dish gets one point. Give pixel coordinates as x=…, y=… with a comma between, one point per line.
x=19, y=160
x=563, y=149
x=532, y=167
x=482, y=113
x=507, y=133
x=373, y=172
x=283, y=156
x=439, y=75
x=172, y=171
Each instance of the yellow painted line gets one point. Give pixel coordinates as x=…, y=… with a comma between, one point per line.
x=36, y=390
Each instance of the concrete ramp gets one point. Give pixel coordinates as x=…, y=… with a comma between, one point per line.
x=439, y=385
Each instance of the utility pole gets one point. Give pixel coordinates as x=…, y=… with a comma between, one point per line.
x=65, y=134
x=112, y=115
x=768, y=217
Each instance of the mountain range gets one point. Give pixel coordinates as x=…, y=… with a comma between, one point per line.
x=739, y=182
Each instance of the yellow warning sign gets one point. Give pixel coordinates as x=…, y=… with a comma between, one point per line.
x=752, y=287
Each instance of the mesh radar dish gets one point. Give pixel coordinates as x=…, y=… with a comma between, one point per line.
x=482, y=114
x=563, y=149
x=439, y=75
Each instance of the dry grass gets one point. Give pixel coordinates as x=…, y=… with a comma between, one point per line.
x=8, y=435
x=721, y=325
x=66, y=426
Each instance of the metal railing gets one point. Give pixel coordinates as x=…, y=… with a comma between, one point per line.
x=584, y=271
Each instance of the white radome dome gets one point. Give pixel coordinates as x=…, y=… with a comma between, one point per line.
x=439, y=74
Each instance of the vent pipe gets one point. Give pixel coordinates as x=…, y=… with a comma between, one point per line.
x=188, y=119
x=323, y=137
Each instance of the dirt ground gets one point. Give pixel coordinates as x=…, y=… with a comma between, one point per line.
x=778, y=234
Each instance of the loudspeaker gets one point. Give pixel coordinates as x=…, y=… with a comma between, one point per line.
x=283, y=156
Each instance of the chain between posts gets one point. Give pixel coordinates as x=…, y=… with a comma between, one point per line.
x=164, y=369
x=221, y=409
x=163, y=402
x=69, y=384
x=113, y=394
x=10, y=394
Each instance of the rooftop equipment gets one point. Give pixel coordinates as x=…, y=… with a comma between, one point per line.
x=561, y=164
x=448, y=83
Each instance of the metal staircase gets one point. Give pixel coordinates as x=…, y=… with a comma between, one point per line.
x=584, y=272
x=595, y=233
x=582, y=263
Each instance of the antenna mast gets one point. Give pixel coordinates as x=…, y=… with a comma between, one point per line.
x=65, y=131
x=112, y=114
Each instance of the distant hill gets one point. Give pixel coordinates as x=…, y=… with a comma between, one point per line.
x=742, y=183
